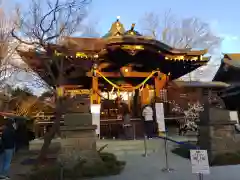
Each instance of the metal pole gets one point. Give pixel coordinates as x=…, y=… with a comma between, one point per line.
x=61, y=172
x=145, y=146
x=166, y=169
x=200, y=176
x=166, y=153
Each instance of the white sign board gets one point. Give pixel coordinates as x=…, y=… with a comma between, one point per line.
x=95, y=111
x=160, y=117
x=234, y=116
x=199, y=161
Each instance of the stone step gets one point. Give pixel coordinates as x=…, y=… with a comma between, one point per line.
x=129, y=152
x=130, y=146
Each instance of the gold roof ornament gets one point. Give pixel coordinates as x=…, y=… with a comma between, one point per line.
x=132, y=32
x=116, y=29
x=133, y=26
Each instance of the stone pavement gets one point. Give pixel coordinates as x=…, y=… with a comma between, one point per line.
x=149, y=168
x=17, y=170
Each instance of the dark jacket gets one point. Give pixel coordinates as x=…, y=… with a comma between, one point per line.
x=8, y=138
x=21, y=134
x=124, y=109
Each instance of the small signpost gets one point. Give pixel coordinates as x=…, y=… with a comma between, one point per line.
x=234, y=116
x=162, y=129
x=200, y=163
x=160, y=117
x=95, y=110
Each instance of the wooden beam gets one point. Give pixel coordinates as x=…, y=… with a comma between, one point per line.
x=103, y=65
x=117, y=74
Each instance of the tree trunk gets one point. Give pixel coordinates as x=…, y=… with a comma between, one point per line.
x=58, y=114
x=55, y=129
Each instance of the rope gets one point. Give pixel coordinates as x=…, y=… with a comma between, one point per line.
x=182, y=143
x=101, y=96
x=127, y=89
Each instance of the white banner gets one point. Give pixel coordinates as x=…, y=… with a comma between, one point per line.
x=160, y=117
x=234, y=116
x=199, y=161
x=95, y=111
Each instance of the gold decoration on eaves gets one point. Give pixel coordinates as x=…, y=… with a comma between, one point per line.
x=61, y=91
x=80, y=55
x=181, y=58
x=132, y=49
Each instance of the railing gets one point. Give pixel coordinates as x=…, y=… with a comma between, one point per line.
x=110, y=124
x=109, y=128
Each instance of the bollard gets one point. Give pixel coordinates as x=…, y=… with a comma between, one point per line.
x=145, y=146
x=61, y=172
x=167, y=168
x=200, y=176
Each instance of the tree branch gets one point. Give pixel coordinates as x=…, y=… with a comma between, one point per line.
x=181, y=33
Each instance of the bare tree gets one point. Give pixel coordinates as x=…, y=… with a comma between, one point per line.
x=7, y=48
x=90, y=29
x=44, y=23
x=180, y=33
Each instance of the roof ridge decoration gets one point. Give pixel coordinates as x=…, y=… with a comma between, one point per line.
x=117, y=29
x=132, y=32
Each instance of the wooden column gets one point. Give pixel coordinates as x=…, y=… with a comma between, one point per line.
x=36, y=128
x=95, y=96
x=160, y=82
x=129, y=100
x=136, y=109
x=145, y=99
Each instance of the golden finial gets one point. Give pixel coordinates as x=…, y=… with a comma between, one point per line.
x=133, y=26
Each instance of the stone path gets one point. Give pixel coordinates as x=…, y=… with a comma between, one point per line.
x=17, y=170
x=149, y=168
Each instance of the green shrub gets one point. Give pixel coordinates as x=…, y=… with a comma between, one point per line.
x=45, y=173
x=226, y=159
x=109, y=166
x=219, y=160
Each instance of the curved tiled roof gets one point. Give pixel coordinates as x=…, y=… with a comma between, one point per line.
x=229, y=68
x=232, y=60
x=177, y=62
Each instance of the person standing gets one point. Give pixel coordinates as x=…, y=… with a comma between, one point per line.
x=147, y=114
x=125, y=112
x=8, y=144
x=127, y=121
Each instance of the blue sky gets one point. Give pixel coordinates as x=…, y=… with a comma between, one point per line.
x=222, y=15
